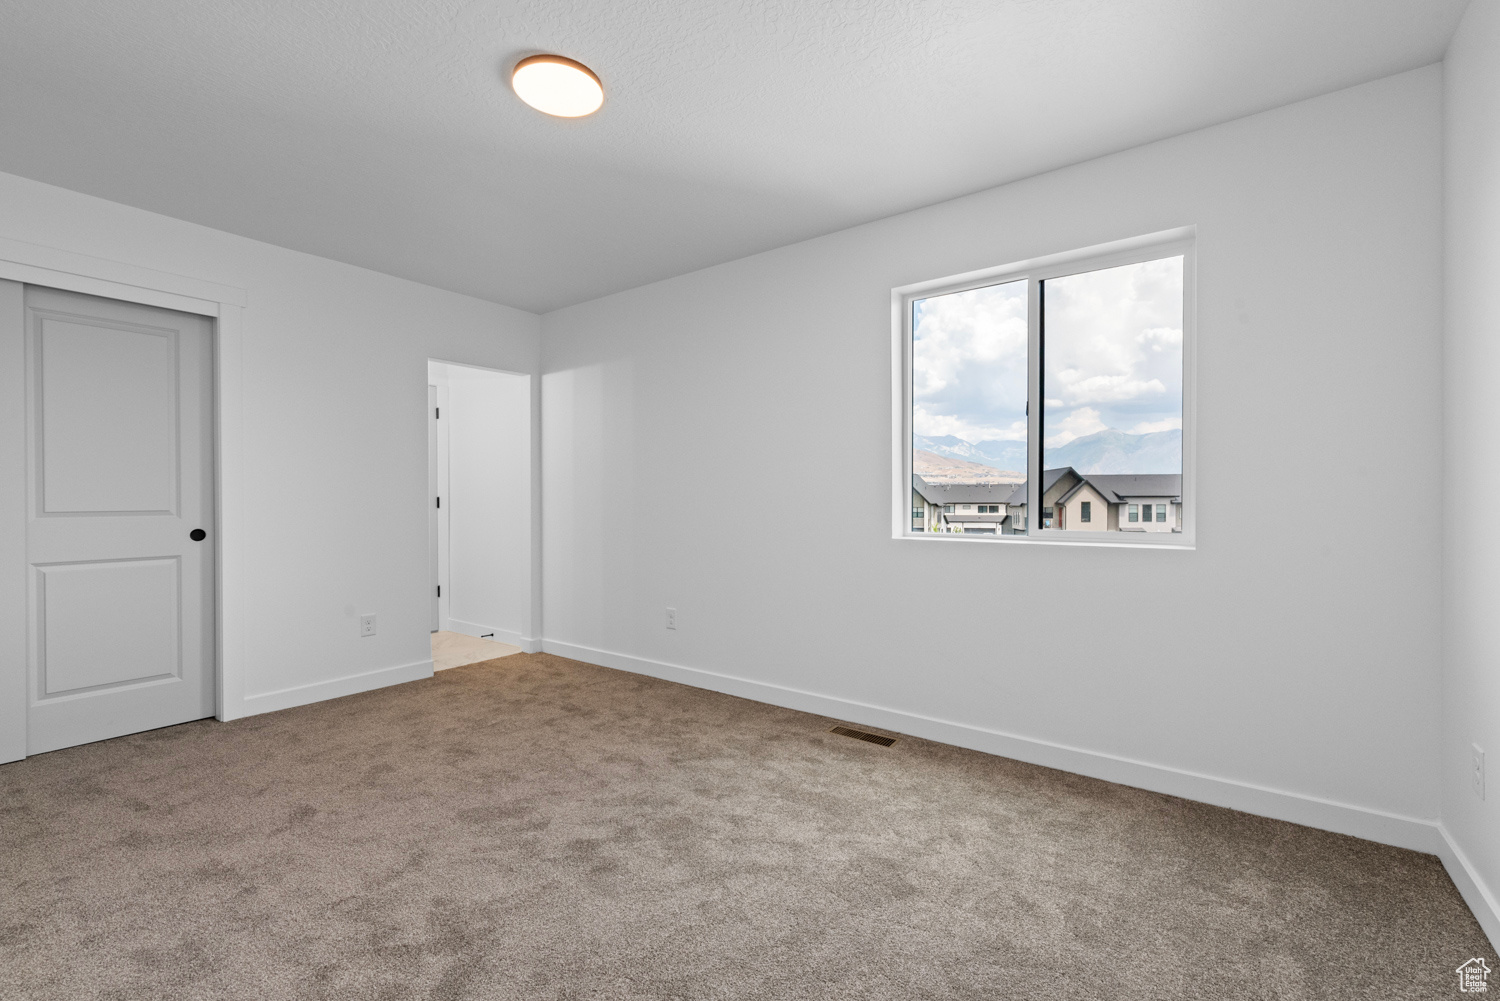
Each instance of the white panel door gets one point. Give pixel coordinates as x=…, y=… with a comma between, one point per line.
x=120, y=535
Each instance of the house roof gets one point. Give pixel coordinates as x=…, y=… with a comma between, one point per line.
x=962, y=493
x=1049, y=479
x=1116, y=487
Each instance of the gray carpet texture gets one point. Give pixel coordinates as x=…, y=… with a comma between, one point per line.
x=538, y=828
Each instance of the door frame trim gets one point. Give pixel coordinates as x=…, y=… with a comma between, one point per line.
x=35, y=264
x=444, y=558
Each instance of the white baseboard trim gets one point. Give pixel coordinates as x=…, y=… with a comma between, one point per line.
x=1343, y=818
x=318, y=691
x=491, y=633
x=1476, y=894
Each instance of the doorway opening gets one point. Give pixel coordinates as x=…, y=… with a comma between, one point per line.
x=479, y=513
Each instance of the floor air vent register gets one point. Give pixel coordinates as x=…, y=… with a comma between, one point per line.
x=874, y=738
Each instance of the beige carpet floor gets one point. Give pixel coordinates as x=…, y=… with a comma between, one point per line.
x=536, y=828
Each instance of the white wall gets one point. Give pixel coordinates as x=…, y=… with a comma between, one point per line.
x=488, y=497
x=697, y=432
x=334, y=376
x=1471, y=592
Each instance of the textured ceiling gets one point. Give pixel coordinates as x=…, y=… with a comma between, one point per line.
x=382, y=132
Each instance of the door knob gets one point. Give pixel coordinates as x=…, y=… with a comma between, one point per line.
x=197, y=535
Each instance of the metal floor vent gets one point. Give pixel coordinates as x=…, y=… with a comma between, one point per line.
x=874, y=738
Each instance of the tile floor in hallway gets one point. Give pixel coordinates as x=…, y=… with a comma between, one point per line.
x=455, y=650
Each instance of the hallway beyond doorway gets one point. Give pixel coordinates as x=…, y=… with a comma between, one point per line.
x=456, y=650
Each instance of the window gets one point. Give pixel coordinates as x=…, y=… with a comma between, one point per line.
x=968, y=507
x=1043, y=378
x=916, y=514
x=947, y=508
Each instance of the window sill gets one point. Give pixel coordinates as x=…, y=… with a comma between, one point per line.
x=1136, y=540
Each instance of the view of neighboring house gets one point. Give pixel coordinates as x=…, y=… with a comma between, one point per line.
x=972, y=508
x=1071, y=501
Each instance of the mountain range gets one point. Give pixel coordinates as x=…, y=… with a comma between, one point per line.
x=936, y=468
x=1107, y=451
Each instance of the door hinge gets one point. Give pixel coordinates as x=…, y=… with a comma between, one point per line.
x=439, y=502
x=440, y=590
x=437, y=413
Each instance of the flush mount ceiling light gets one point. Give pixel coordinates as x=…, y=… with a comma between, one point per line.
x=557, y=86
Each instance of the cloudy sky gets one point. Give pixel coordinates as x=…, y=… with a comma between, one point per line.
x=1114, y=356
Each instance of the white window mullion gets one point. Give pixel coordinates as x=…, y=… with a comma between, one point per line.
x=1033, y=405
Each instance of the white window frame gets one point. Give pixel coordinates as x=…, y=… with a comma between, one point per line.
x=1169, y=243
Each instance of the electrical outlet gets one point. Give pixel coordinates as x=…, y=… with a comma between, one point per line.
x=367, y=625
x=671, y=618
x=1476, y=769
